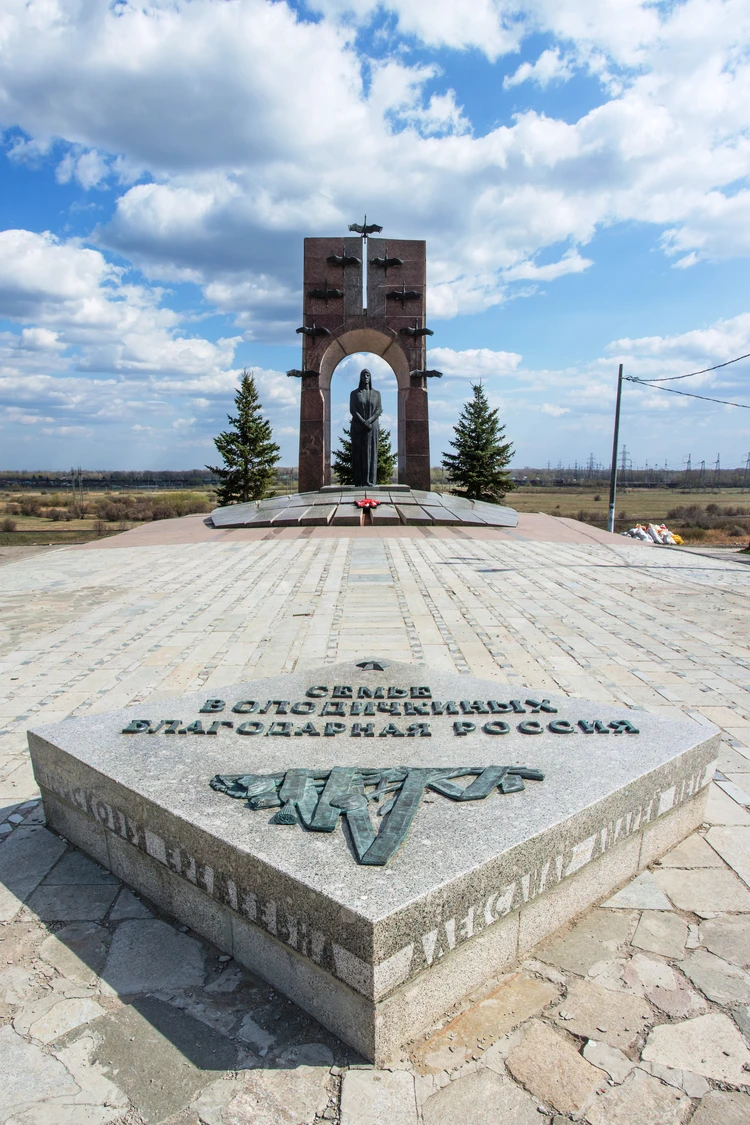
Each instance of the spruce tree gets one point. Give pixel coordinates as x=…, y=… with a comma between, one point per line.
x=247, y=450
x=479, y=465
x=342, y=458
x=341, y=462
x=386, y=458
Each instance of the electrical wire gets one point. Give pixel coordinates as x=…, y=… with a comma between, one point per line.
x=703, y=370
x=686, y=394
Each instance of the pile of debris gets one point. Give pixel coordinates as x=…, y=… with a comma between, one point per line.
x=655, y=533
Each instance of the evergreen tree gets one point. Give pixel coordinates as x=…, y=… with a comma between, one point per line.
x=247, y=450
x=341, y=463
x=387, y=459
x=342, y=458
x=479, y=465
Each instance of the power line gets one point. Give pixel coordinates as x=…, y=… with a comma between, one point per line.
x=686, y=394
x=703, y=370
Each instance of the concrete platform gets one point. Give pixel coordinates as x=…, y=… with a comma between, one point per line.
x=376, y=950
x=175, y=607
x=411, y=505
x=532, y=527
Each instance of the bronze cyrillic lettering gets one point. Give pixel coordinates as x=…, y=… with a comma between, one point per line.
x=137, y=726
x=214, y=728
x=308, y=728
x=253, y=727
x=331, y=708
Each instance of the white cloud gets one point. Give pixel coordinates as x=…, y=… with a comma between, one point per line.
x=473, y=363
x=571, y=262
x=75, y=299
x=254, y=127
x=579, y=400
x=89, y=169
x=549, y=67
x=94, y=349
x=489, y=25
x=228, y=131
x=654, y=357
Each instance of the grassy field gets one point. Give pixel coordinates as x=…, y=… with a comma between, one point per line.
x=56, y=518
x=653, y=505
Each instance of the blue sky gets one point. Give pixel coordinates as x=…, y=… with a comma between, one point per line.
x=579, y=169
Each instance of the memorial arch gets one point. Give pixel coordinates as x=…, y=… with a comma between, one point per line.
x=337, y=323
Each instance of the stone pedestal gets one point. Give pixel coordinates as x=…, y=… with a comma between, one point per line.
x=312, y=419
x=417, y=435
x=375, y=950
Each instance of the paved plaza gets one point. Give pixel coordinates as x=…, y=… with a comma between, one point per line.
x=638, y=1013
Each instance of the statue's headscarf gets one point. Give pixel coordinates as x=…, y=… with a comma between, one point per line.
x=362, y=384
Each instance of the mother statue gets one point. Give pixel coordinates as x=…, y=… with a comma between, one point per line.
x=365, y=408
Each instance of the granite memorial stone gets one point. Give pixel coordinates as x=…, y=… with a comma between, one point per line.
x=375, y=839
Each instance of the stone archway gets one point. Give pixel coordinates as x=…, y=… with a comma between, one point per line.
x=336, y=324
x=378, y=343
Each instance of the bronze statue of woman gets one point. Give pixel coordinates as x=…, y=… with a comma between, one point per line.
x=365, y=408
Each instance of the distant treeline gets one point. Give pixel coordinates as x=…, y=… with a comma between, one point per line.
x=286, y=477
x=99, y=481
x=584, y=477
x=109, y=481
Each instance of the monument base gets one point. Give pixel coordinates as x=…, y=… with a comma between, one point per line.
x=501, y=820
x=336, y=505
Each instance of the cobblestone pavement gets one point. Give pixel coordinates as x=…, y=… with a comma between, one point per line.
x=638, y=1013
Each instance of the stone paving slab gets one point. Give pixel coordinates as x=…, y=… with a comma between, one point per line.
x=545, y=604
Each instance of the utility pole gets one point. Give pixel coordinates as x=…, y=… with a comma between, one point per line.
x=615, y=443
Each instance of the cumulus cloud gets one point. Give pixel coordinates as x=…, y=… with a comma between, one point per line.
x=76, y=299
x=550, y=66
x=252, y=126
x=226, y=132
x=579, y=399
x=655, y=357
x=571, y=262
x=95, y=348
x=473, y=363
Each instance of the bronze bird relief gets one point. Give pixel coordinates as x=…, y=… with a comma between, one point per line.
x=403, y=295
x=416, y=332
x=364, y=229
x=325, y=294
x=314, y=331
x=343, y=260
